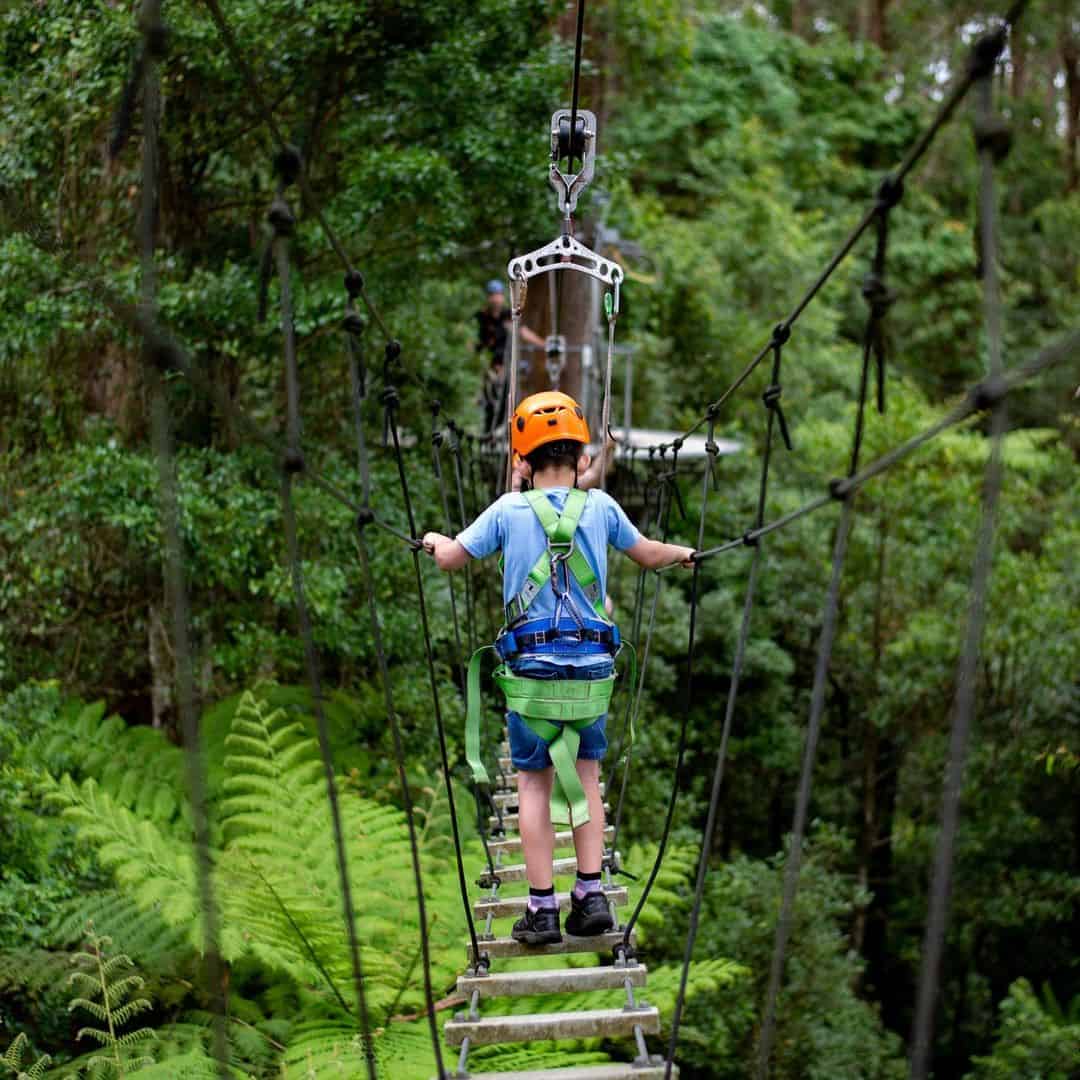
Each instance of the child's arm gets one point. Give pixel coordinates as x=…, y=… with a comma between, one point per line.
x=449, y=554
x=653, y=555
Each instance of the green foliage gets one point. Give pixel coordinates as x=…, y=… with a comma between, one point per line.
x=109, y=997
x=12, y=1061
x=1036, y=1040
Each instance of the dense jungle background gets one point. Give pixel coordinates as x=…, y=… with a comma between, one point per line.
x=739, y=142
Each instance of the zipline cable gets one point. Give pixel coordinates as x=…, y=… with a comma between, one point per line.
x=154, y=48
x=282, y=221
x=988, y=132
x=354, y=329
x=575, y=89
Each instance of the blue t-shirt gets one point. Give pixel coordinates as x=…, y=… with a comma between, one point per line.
x=511, y=526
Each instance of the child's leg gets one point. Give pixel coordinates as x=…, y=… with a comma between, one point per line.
x=534, y=825
x=589, y=838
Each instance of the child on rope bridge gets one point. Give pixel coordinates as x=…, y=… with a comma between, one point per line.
x=558, y=646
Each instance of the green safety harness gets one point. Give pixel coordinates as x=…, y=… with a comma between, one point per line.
x=555, y=710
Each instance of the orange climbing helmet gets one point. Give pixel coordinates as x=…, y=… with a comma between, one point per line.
x=545, y=418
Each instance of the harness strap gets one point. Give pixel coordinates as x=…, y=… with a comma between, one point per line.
x=573, y=705
x=473, y=714
x=560, y=530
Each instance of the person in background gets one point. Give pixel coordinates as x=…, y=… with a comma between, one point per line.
x=493, y=336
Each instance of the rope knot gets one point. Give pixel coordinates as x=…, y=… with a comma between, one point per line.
x=437, y=438
x=677, y=445
x=391, y=399
x=281, y=218
x=771, y=398
x=890, y=191
x=986, y=52
x=781, y=335
x=877, y=294
x=365, y=516
x=713, y=412
x=293, y=461
x=749, y=539
x=354, y=324
x=354, y=283
x=994, y=133
x=839, y=489
x=287, y=164
x=156, y=36
x=393, y=350
x=436, y=407
x=989, y=393
x=772, y=394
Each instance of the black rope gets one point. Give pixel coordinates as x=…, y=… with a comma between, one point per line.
x=358, y=378
x=986, y=129
x=771, y=399
x=390, y=402
x=633, y=712
x=481, y=795
x=282, y=222
x=684, y=725
x=148, y=73
x=577, y=83
x=638, y=603
x=878, y=302
x=459, y=491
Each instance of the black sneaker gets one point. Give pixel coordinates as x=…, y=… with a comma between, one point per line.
x=590, y=916
x=540, y=927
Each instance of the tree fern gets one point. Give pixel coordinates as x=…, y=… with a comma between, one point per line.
x=12, y=1061
x=109, y=997
x=147, y=938
x=152, y=866
x=137, y=767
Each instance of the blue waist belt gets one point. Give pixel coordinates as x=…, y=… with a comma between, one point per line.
x=541, y=636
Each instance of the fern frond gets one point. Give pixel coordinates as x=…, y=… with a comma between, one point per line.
x=137, y=766
x=13, y=1057
x=147, y=938
x=153, y=867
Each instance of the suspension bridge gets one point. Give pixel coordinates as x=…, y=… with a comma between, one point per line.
x=467, y=471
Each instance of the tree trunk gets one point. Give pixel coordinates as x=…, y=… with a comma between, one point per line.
x=1070, y=58
x=802, y=18
x=161, y=667
x=1018, y=80
x=876, y=23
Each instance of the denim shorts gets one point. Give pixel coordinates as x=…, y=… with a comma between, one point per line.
x=527, y=750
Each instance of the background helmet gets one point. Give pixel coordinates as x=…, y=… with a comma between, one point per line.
x=545, y=418
x=493, y=286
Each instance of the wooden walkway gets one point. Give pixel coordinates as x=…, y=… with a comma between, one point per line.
x=634, y=1020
